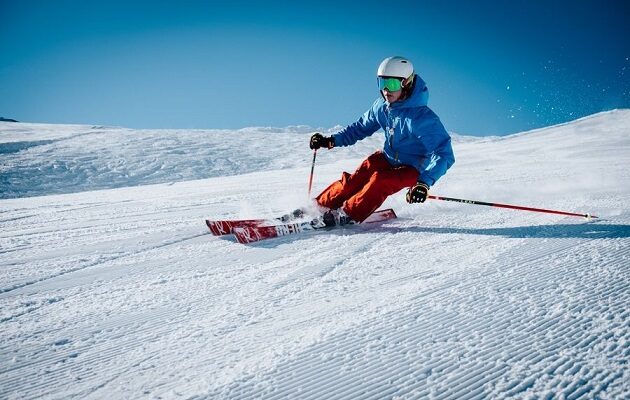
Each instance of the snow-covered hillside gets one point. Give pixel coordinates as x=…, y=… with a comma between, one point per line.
x=122, y=293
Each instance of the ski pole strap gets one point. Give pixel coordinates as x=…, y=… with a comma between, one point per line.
x=310, y=180
x=513, y=207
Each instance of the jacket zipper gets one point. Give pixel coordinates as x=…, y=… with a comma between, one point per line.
x=391, y=143
x=391, y=135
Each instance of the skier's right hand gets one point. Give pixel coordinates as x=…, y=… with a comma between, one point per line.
x=318, y=140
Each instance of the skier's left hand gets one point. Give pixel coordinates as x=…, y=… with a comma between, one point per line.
x=418, y=193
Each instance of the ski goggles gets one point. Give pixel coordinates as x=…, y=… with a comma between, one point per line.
x=391, y=84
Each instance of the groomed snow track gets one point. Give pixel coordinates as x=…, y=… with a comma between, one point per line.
x=123, y=293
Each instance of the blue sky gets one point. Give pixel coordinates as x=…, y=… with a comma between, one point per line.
x=492, y=68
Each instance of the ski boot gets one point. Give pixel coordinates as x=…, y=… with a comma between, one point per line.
x=332, y=218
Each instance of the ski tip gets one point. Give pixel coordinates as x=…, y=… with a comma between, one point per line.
x=380, y=216
x=212, y=227
x=392, y=212
x=219, y=228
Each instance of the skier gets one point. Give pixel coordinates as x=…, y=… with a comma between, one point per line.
x=416, y=153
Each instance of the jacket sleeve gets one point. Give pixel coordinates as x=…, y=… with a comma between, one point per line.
x=364, y=127
x=440, y=159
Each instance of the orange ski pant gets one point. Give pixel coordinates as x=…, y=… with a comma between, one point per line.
x=361, y=193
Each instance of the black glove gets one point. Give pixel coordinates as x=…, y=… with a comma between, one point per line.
x=418, y=193
x=318, y=140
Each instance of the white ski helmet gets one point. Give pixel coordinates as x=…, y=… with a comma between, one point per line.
x=396, y=67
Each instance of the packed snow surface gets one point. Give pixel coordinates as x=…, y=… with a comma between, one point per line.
x=112, y=287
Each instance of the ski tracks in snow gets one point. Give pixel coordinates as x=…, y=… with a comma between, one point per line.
x=67, y=335
x=484, y=331
x=411, y=308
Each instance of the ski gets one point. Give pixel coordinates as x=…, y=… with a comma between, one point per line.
x=254, y=233
x=226, y=227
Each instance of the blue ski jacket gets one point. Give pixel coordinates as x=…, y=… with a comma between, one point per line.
x=414, y=135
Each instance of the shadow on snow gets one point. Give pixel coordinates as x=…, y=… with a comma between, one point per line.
x=562, y=231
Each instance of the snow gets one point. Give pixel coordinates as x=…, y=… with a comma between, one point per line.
x=111, y=285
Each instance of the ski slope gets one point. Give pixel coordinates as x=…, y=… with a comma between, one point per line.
x=112, y=287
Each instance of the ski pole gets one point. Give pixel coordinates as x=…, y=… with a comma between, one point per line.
x=483, y=203
x=310, y=180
